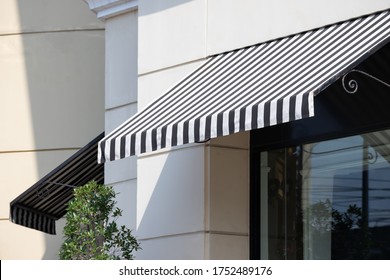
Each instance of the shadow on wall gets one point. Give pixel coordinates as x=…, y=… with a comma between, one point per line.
x=192, y=203
x=63, y=52
x=54, y=242
x=170, y=205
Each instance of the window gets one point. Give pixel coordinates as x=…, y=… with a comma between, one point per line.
x=327, y=200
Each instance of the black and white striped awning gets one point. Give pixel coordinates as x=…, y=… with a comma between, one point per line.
x=249, y=88
x=46, y=201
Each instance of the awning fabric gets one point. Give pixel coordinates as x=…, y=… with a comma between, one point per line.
x=46, y=201
x=249, y=88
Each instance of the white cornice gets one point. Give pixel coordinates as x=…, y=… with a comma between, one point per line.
x=105, y=9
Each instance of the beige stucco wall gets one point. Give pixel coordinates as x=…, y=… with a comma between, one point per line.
x=52, y=96
x=120, y=104
x=228, y=195
x=209, y=27
x=233, y=24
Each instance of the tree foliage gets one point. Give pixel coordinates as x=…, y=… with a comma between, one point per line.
x=91, y=230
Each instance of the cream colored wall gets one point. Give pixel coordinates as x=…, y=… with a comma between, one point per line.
x=171, y=183
x=121, y=103
x=235, y=24
x=175, y=32
x=171, y=204
x=228, y=196
x=52, y=96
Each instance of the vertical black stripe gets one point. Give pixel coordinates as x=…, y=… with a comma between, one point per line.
x=174, y=135
x=163, y=136
x=49, y=225
x=53, y=227
x=32, y=219
x=123, y=146
x=154, y=139
x=132, y=144
x=196, y=130
x=16, y=213
x=12, y=213
x=186, y=132
x=28, y=219
x=242, y=119
x=44, y=224
x=220, y=124
x=19, y=215
x=291, y=109
x=305, y=105
x=231, y=121
x=39, y=223
x=35, y=220
x=24, y=217
x=279, y=111
x=112, y=149
x=254, y=115
x=208, y=128
x=143, y=141
x=267, y=114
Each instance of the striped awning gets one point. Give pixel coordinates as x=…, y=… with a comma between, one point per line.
x=249, y=88
x=46, y=201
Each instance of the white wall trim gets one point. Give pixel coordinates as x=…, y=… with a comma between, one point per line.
x=105, y=9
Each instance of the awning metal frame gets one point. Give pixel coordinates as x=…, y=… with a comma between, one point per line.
x=46, y=201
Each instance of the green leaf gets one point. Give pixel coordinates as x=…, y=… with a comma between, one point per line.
x=88, y=232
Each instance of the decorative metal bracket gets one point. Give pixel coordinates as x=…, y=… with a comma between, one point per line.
x=44, y=191
x=372, y=156
x=204, y=141
x=352, y=85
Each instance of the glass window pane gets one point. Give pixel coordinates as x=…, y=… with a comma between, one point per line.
x=327, y=200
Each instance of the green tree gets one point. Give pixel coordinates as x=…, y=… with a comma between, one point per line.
x=91, y=230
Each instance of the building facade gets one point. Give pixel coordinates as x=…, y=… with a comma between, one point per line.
x=248, y=129
x=52, y=90
x=289, y=191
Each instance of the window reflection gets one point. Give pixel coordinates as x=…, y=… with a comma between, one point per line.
x=327, y=200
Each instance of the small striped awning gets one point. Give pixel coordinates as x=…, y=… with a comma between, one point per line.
x=46, y=201
x=249, y=88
